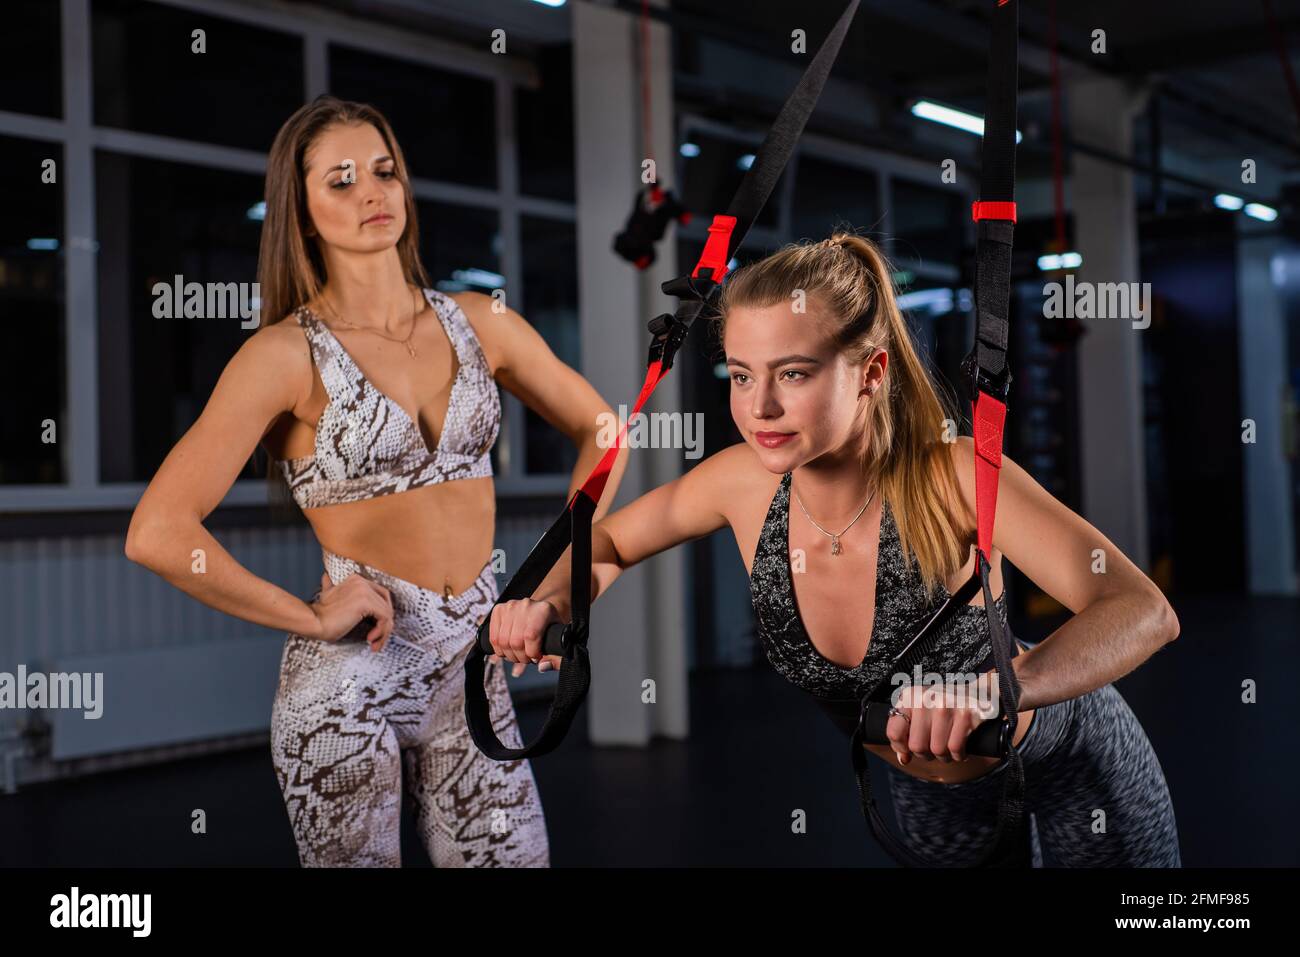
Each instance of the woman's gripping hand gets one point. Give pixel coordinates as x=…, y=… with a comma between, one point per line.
x=937, y=720
x=516, y=632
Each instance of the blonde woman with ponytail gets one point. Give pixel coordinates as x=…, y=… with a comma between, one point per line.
x=839, y=413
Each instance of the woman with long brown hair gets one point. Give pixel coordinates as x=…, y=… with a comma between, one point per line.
x=839, y=413
x=356, y=363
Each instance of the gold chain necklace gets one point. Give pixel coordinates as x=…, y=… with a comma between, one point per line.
x=349, y=325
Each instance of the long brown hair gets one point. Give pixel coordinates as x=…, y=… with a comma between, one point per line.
x=290, y=269
x=907, y=456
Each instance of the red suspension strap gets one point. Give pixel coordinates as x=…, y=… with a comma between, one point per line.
x=714, y=259
x=989, y=380
x=696, y=294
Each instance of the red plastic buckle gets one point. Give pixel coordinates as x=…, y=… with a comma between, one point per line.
x=992, y=210
x=714, y=256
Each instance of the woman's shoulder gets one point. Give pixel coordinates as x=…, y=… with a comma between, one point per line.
x=961, y=455
x=280, y=339
x=482, y=318
x=279, y=351
x=739, y=462
x=959, y=491
x=735, y=481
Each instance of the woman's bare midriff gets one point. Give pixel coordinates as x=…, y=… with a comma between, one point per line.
x=438, y=536
x=953, y=772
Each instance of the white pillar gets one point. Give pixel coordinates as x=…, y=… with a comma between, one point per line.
x=1110, y=374
x=638, y=629
x=668, y=613
x=1262, y=267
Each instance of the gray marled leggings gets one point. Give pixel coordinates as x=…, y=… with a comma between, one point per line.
x=1095, y=796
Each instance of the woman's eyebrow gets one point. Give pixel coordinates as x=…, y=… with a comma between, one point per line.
x=373, y=162
x=732, y=361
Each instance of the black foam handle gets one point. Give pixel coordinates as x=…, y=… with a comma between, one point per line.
x=552, y=640
x=985, y=741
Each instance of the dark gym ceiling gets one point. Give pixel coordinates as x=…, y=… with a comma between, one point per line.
x=1216, y=65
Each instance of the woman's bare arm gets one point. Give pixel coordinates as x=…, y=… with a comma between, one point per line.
x=268, y=376
x=527, y=368
x=687, y=508
x=1121, y=617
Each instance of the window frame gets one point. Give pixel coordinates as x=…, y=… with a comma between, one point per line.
x=80, y=138
x=885, y=167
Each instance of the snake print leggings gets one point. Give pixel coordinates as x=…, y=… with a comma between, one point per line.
x=1095, y=796
x=347, y=722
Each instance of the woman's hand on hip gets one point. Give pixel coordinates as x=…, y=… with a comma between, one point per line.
x=516, y=632
x=355, y=604
x=936, y=721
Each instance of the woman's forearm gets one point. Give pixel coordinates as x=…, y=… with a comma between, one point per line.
x=605, y=568
x=187, y=556
x=1101, y=644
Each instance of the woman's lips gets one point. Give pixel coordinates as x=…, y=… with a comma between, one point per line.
x=382, y=219
x=772, y=440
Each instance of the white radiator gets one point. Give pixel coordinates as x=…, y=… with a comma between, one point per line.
x=167, y=696
x=179, y=678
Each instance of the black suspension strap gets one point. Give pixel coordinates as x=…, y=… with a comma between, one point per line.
x=696, y=293
x=988, y=377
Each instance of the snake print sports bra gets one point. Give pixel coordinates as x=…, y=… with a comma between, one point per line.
x=901, y=609
x=367, y=445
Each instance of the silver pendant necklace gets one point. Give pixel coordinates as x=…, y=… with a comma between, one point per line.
x=834, y=537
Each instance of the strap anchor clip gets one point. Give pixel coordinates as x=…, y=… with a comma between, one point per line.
x=701, y=288
x=695, y=295
x=979, y=379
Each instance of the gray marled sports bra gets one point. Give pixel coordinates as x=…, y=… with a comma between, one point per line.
x=367, y=445
x=901, y=609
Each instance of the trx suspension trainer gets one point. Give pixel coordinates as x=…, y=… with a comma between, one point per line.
x=988, y=379
x=696, y=293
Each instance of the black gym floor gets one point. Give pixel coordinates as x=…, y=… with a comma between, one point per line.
x=759, y=749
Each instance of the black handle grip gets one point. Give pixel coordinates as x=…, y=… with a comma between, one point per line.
x=985, y=740
x=552, y=640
